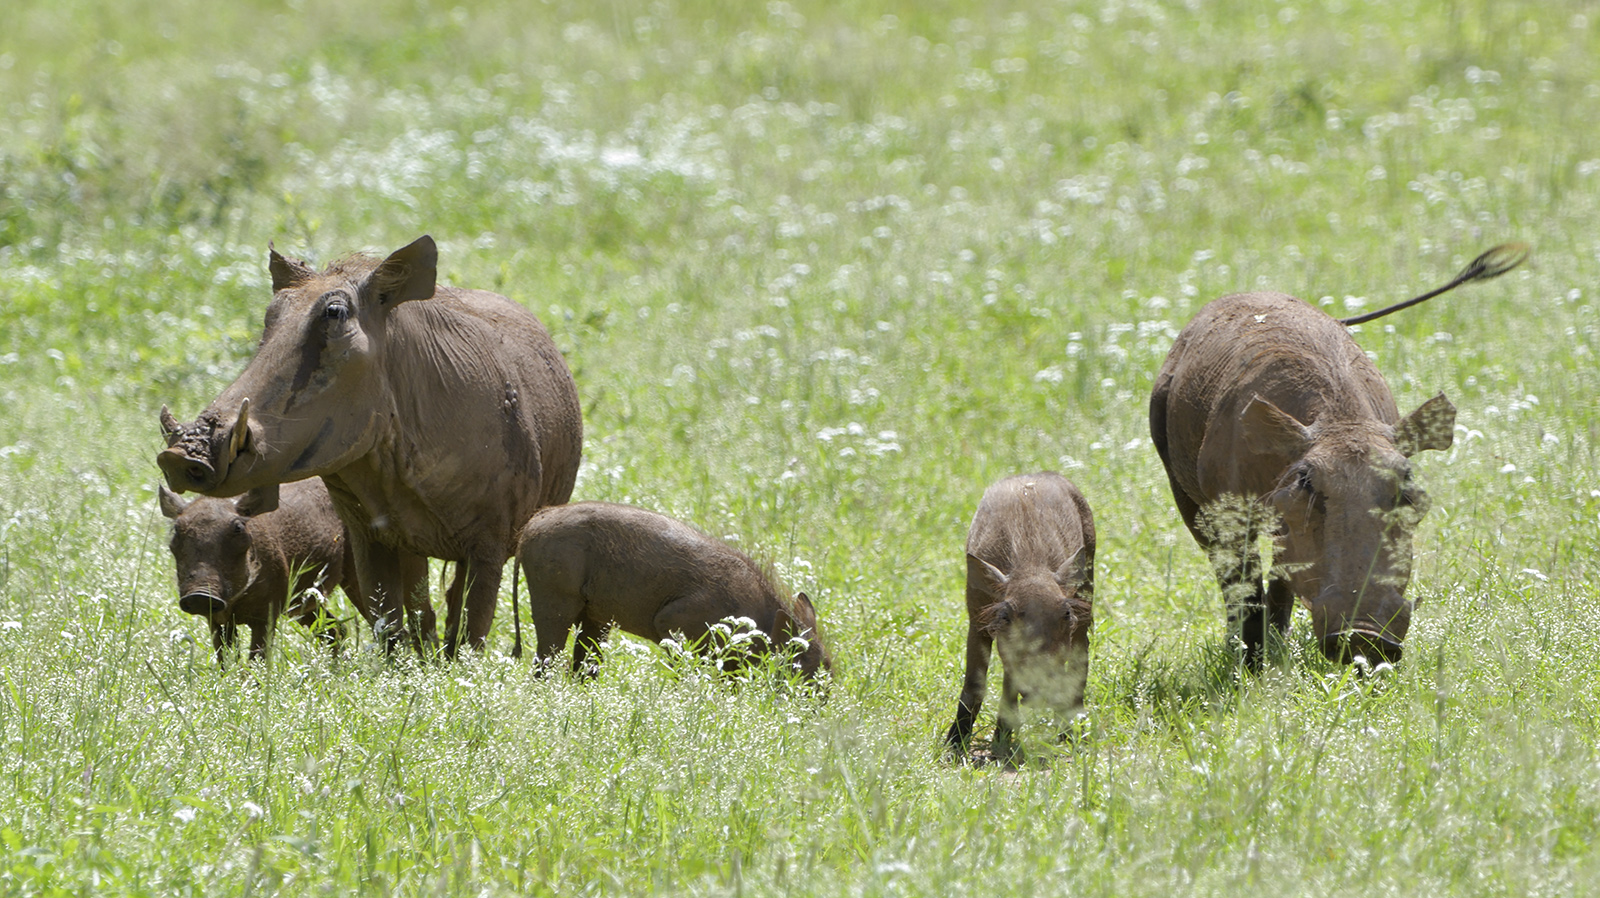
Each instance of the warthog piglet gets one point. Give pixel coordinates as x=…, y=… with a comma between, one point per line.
x=1030, y=591
x=239, y=567
x=594, y=565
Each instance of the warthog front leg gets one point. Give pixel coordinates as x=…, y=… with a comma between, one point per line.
x=980, y=648
x=1006, y=748
x=396, y=583
x=260, y=635
x=482, y=587
x=223, y=637
x=1228, y=531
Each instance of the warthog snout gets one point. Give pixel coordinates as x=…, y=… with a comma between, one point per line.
x=202, y=603
x=194, y=459
x=184, y=473
x=1345, y=647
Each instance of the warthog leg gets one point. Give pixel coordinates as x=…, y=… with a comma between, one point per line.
x=222, y=639
x=1006, y=748
x=587, y=635
x=1228, y=530
x=980, y=647
x=480, y=580
x=396, y=583
x=1280, y=603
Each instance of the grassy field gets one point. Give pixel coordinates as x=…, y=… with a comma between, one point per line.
x=823, y=271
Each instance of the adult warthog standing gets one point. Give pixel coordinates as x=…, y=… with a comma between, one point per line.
x=1267, y=415
x=440, y=419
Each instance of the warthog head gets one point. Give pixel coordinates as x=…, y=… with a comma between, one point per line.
x=314, y=395
x=799, y=619
x=1040, y=624
x=211, y=544
x=1349, y=507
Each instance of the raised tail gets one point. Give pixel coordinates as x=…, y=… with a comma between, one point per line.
x=1492, y=264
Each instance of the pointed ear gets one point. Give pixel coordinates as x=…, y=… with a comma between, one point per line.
x=286, y=272
x=260, y=500
x=993, y=577
x=802, y=611
x=1071, y=574
x=408, y=273
x=170, y=428
x=1431, y=426
x=171, y=504
x=1269, y=430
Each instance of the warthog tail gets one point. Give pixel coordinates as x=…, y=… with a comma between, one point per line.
x=1492, y=264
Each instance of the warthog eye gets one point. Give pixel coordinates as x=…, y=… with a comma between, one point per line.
x=1410, y=495
x=338, y=307
x=1302, y=481
x=996, y=617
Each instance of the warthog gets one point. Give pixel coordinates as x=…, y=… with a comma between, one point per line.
x=594, y=565
x=1030, y=590
x=1267, y=414
x=440, y=418
x=239, y=567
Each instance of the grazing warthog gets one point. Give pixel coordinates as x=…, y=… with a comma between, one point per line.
x=440, y=418
x=1267, y=415
x=594, y=565
x=1030, y=590
x=236, y=566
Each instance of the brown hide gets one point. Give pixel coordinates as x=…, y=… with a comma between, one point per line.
x=1030, y=593
x=594, y=565
x=1267, y=415
x=239, y=568
x=441, y=419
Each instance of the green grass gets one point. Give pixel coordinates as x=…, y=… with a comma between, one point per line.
x=823, y=271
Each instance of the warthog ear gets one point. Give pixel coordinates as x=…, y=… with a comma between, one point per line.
x=1270, y=430
x=171, y=504
x=286, y=272
x=994, y=578
x=260, y=500
x=408, y=273
x=1431, y=426
x=1071, y=575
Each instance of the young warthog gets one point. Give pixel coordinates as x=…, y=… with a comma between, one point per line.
x=239, y=567
x=1030, y=589
x=1267, y=414
x=594, y=565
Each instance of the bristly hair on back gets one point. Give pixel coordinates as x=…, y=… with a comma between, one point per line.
x=355, y=265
